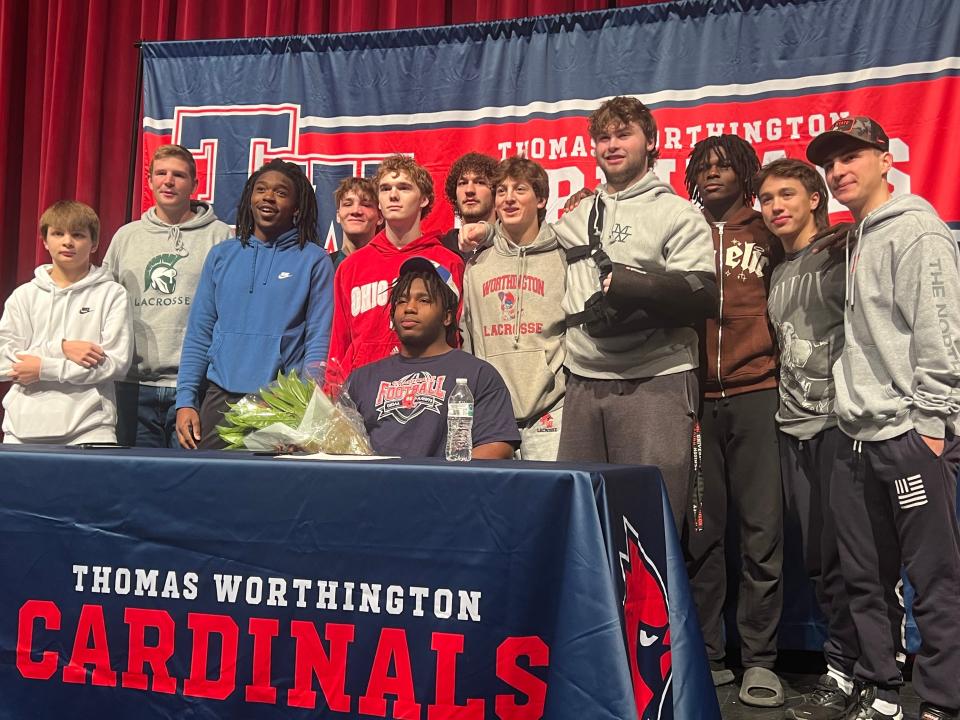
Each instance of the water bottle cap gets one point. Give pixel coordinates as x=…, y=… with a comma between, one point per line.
x=462, y=380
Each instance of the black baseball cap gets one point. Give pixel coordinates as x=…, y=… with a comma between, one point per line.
x=848, y=132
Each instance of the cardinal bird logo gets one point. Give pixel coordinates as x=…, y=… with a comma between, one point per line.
x=647, y=626
x=508, y=302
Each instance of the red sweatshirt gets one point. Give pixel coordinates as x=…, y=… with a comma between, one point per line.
x=362, y=332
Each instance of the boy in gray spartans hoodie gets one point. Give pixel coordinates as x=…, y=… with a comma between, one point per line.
x=158, y=259
x=512, y=316
x=894, y=483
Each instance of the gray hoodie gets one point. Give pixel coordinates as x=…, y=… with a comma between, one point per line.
x=512, y=318
x=900, y=367
x=646, y=223
x=159, y=265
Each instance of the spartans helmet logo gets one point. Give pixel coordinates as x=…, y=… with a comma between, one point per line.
x=160, y=273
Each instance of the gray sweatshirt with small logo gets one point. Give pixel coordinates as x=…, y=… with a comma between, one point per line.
x=900, y=366
x=646, y=224
x=159, y=265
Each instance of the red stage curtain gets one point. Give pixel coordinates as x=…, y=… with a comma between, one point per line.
x=68, y=72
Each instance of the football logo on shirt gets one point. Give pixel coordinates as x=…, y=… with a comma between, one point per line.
x=408, y=397
x=160, y=273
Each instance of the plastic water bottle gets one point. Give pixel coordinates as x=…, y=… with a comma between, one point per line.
x=460, y=423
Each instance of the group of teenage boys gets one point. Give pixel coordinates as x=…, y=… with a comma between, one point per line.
x=714, y=341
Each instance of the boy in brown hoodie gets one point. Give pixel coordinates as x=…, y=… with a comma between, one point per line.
x=741, y=467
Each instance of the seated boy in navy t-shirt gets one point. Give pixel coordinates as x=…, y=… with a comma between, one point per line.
x=403, y=398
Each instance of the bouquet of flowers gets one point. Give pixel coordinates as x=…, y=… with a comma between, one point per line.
x=295, y=414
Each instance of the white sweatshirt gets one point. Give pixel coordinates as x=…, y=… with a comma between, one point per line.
x=70, y=403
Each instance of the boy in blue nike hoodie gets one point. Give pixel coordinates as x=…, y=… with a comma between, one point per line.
x=264, y=303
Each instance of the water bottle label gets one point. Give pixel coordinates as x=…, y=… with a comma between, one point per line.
x=463, y=410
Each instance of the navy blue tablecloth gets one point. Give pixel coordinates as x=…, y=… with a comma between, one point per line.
x=202, y=585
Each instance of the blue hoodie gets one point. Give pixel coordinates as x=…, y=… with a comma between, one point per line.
x=258, y=309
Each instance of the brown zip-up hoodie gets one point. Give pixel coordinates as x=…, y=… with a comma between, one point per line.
x=741, y=346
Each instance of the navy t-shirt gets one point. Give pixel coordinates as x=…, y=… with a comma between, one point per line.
x=403, y=402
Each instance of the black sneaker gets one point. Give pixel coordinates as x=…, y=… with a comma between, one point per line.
x=826, y=702
x=864, y=709
x=932, y=712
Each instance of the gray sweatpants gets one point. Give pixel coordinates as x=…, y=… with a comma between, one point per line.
x=648, y=421
x=540, y=438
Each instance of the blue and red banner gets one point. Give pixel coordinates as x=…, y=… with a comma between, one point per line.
x=776, y=73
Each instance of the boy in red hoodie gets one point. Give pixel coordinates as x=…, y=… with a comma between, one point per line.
x=362, y=331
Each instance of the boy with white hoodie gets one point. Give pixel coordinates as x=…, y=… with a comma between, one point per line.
x=64, y=338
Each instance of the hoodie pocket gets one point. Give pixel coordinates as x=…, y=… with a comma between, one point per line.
x=245, y=362
x=46, y=411
x=533, y=387
x=864, y=392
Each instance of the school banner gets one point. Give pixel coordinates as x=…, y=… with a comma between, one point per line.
x=776, y=73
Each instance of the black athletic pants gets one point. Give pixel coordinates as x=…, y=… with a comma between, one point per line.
x=741, y=472
x=895, y=502
x=806, y=467
x=212, y=408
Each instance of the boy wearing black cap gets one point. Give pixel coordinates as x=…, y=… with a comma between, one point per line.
x=403, y=398
x=894, y=483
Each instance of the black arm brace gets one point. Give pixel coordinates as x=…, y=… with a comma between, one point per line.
x=676, y=298
x=640, y=297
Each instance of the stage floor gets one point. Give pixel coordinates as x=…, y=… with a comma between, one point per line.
x=799, y=671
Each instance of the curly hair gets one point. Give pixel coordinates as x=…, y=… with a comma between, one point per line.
x=421, y=177
x=306, y=218
x=623, y=110
x=730, y=149
x=807, y=176
x=473, y=162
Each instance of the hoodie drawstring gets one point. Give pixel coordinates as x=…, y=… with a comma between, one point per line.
x=176, y=235
x=273, y=255
x=850, y=287
x=253, y=266
x=521, y=271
